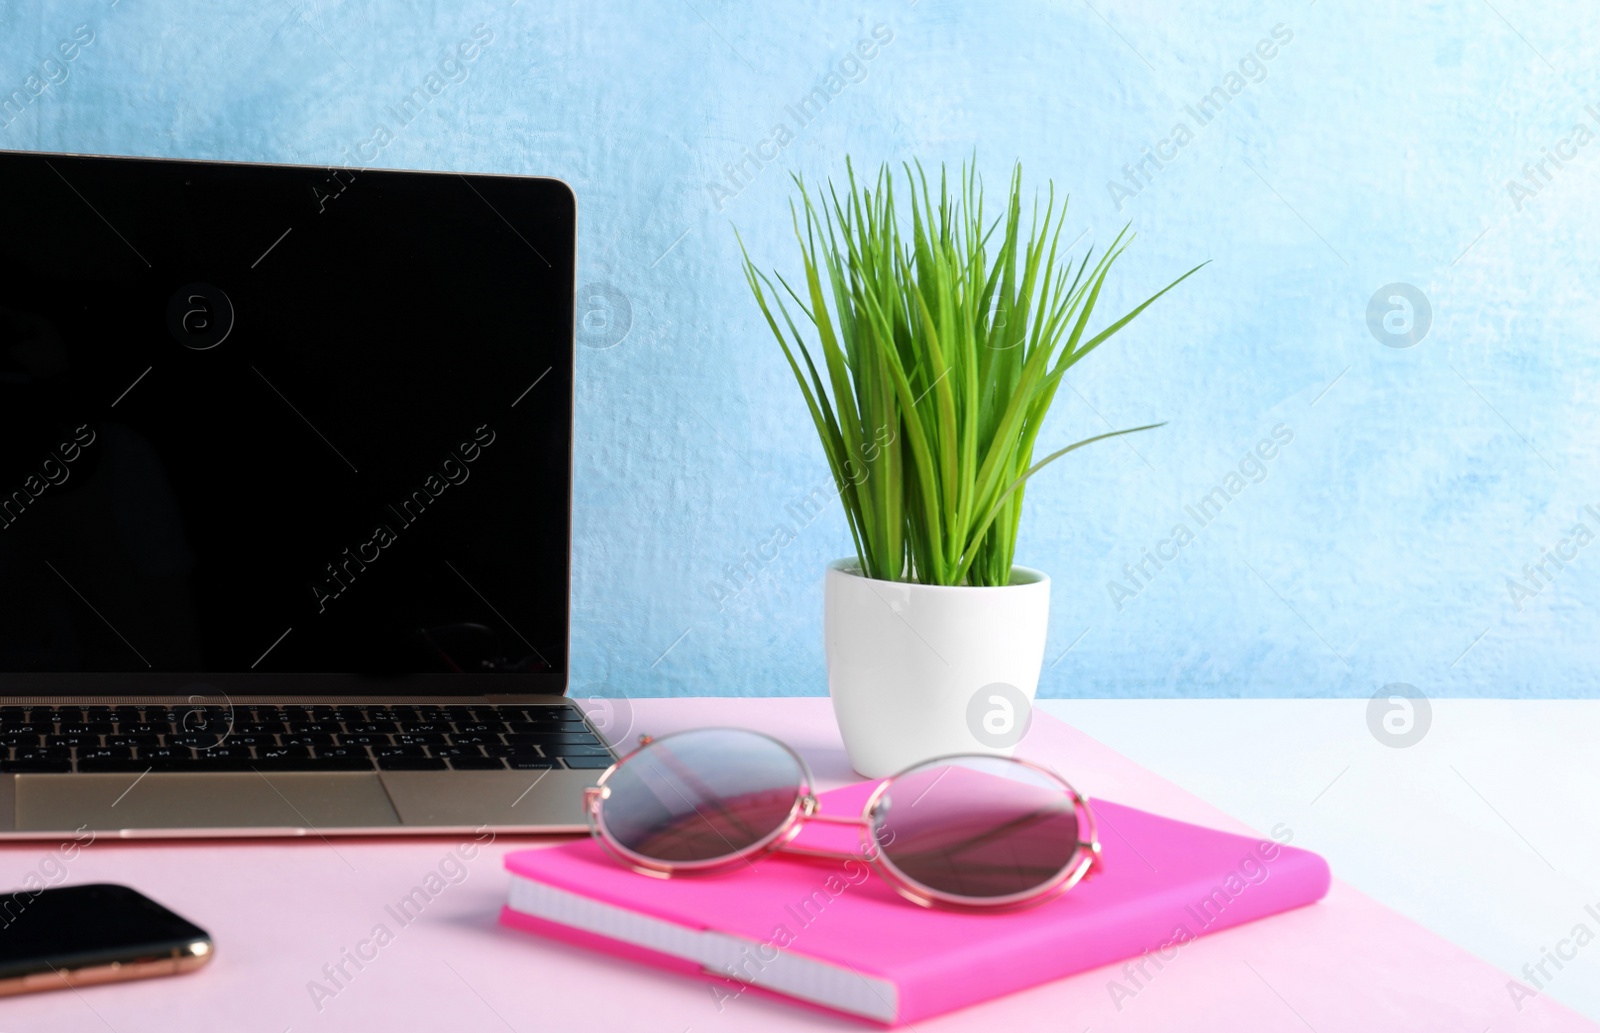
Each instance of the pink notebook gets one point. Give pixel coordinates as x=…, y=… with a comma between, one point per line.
x=828, y=934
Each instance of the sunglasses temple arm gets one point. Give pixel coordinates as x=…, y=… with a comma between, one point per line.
x=813, y=852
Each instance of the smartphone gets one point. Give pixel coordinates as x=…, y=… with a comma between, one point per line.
x=74, y=936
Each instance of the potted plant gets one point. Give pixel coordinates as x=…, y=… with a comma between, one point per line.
x=941, y=354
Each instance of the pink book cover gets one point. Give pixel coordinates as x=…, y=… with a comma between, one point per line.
x=834, y=935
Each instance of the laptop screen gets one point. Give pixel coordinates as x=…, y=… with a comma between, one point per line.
x=282, y=429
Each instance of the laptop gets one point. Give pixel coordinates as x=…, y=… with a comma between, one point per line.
x=285, y=501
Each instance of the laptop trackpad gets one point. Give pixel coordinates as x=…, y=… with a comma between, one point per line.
x=551, y=800
x=302, y=800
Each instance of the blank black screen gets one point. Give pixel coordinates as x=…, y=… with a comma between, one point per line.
x=77, y=924
x=272, y=420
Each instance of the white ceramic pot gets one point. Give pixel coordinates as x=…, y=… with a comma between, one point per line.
x=922, y=671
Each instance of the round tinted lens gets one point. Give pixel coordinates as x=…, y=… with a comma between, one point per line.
x=977, y=827
x=702, y=796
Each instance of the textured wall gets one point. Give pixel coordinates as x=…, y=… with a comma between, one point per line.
x=1377, y=144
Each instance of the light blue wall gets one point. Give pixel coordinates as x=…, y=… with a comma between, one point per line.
x=1377, y=149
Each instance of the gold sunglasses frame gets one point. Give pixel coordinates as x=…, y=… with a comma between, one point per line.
x=1085, y=855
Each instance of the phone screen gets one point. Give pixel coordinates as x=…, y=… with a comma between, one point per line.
x=72, y=927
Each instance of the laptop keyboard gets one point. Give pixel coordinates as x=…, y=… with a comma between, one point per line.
x=59, y=740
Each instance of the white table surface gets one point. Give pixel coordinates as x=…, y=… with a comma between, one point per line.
x=1486, y=831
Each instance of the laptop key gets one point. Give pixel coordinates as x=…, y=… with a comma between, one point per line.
x=44, y=753
x=324, y=727
x=113, y=765
x=588, y=763
x=524, y=762
x=540, y=738
x=420, y=738
x=282, y=752
x=399, y=751
x=382, y=728
x=564, y=749
x=247, y=739
x=533, y=728
x=165, y=753
x=545, y=727
x=410, y=764
x=429, y=715
x=359, y=752
x=75, y=739
x=192, y=721
x=415, y=727
x=199, y=740
x=105, y=753
x=223, y=753
x=135, y=739
x=544, y=715
x=37, y=767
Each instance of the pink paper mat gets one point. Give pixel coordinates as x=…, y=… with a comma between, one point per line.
x=282, y=910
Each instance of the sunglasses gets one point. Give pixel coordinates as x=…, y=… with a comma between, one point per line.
x=974, y=831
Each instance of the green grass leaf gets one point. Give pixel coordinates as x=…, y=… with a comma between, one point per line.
x=943, y=339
